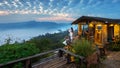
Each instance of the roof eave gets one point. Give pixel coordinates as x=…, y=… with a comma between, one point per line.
x=88, y=19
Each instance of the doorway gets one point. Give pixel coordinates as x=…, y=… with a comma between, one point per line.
x=98, y=34
x=110, y=33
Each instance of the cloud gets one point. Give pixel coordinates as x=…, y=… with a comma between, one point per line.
x=96, y=4
x=5, y=2
x=36, y=7
x=81, y=1
x=50, y=3
x=63, y=9
x=114, y=1
x=51, y=0
x=40, y=8
x=56, y=19
x=96, y=15
x=24, y=12
x=20, y=3
x=58, y=8
x=69, y=3
x=28, y=3
x=90, y=1
x=3, y=13
x=14, y=4
x=1, y=4
x=61, y=14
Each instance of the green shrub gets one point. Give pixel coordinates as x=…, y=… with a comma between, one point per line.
x=46, y=44
x=9, y=52
x=114, y=47
x=83, y=47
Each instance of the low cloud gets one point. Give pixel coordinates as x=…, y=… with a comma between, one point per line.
x=56, y=19
x=3, y=13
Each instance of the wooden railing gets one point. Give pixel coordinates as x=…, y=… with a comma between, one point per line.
x=27, y=60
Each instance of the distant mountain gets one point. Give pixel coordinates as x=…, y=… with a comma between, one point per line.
x=32, y=24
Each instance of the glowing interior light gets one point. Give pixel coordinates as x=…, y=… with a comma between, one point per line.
x=90, y=25
x=111, y=24
x=99, y=25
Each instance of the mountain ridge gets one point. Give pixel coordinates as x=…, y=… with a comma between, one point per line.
x=32, y=24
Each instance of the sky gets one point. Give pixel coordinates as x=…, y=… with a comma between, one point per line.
x=61, y=11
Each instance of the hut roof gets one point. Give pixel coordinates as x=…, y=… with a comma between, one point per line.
x=89, y=19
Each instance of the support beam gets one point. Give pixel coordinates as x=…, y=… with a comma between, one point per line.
x=79, y=29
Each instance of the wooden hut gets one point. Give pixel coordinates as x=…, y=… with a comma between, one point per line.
x=102, y=30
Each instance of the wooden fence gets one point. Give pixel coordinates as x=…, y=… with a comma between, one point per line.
x=27, y=60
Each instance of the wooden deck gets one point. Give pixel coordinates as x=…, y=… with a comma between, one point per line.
x=55, y=63
x=57, y=60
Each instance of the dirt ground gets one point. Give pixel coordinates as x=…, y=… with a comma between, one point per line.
x=112, y=60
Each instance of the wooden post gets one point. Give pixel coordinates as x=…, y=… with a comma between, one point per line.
x=83, y=31
x=79, y=29
x=68, y=58
x=11, y=66
x=119, y=31
x=83, y=63
x=27, y=64
x=60, y=53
